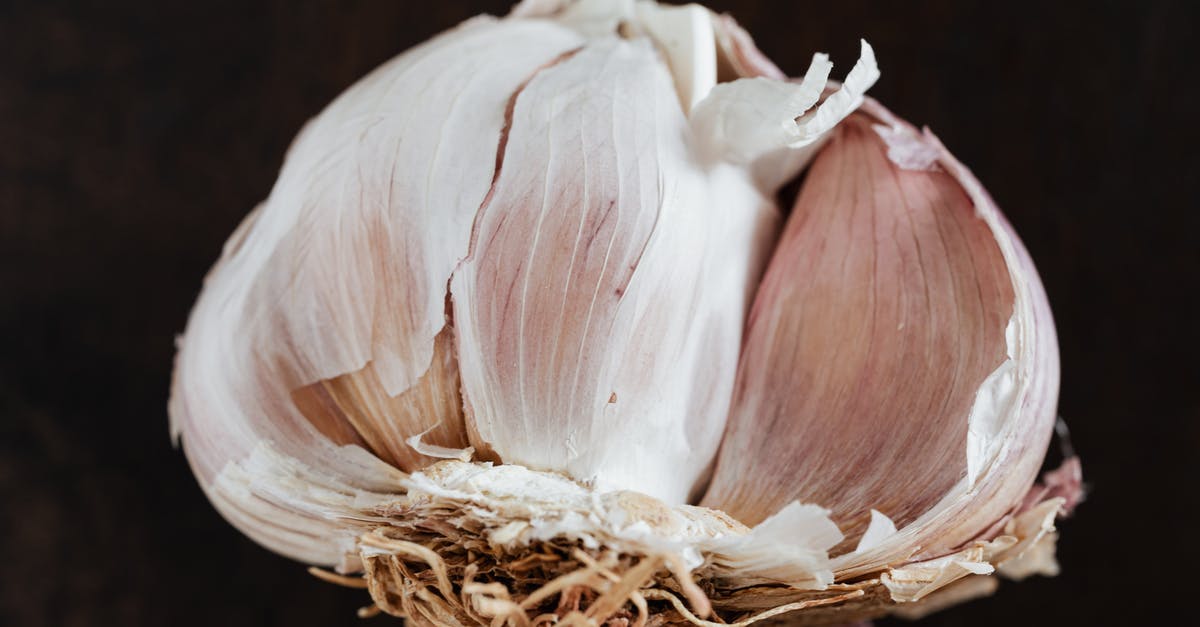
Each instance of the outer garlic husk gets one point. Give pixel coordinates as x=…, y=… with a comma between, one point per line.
x=535, y=240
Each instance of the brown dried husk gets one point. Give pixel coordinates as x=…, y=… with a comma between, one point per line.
x=454, y=559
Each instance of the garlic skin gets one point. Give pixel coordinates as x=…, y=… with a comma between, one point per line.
x=498, y=303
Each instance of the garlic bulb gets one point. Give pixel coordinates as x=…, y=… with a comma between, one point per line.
x=523, y=295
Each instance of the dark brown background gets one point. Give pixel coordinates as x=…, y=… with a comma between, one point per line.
x=134, y=136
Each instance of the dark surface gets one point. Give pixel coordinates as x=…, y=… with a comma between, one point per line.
x=134, y=138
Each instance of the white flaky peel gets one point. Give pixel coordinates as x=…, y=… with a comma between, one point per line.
x=524, y=294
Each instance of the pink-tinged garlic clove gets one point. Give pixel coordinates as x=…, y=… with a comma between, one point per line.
x=599, y=315
x=899, y=356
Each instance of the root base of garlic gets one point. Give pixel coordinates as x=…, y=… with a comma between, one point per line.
x=466, y=548
x=557, y=582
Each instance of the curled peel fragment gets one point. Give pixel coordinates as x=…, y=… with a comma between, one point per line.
x=774, y=127
x=750, y=117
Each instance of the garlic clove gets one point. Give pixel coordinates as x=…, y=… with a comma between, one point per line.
x=339, y=279
x=1013, y=417
x=898, y=349
x=599, y=315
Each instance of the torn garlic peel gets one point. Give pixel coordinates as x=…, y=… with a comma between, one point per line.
x=537, y=238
